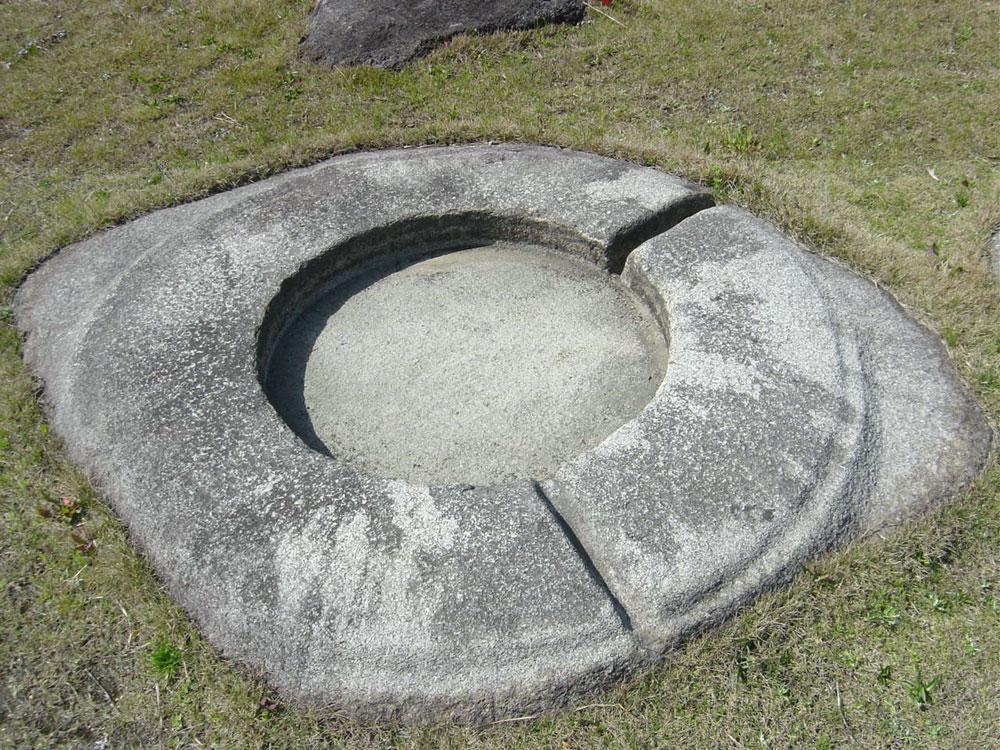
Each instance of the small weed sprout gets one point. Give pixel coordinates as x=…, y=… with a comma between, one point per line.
x=741, y=140
x=922, y=692
x=165, y=658
x=885, y=675
x=886, y=616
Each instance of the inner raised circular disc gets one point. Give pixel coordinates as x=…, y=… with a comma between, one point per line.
x=477, y=366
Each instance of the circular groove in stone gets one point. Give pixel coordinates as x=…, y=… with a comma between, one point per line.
x=478, y=366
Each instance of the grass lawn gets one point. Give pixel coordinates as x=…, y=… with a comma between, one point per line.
x=869, y=130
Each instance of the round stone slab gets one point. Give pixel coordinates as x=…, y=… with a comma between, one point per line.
x=799, y=407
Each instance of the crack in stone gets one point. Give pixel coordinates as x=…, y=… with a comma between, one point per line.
x=592, y=570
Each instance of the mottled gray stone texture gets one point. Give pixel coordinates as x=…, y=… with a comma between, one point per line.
x=798, y=407
x=995, y=247
x=389, y=34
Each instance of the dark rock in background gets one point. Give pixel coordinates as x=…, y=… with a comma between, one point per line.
x=390, y=34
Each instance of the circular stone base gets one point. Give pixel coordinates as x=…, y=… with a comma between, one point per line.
x=476, y=366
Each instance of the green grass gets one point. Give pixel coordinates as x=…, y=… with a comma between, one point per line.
x=866, y=129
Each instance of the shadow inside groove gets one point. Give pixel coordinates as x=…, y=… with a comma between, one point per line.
x=607, y=383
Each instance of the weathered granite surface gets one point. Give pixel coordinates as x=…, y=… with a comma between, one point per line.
x=800, y=407
x=995, y=242
x=390, y=34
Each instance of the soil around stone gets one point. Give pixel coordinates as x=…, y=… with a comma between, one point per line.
x=390, y=34
x=799, y=408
